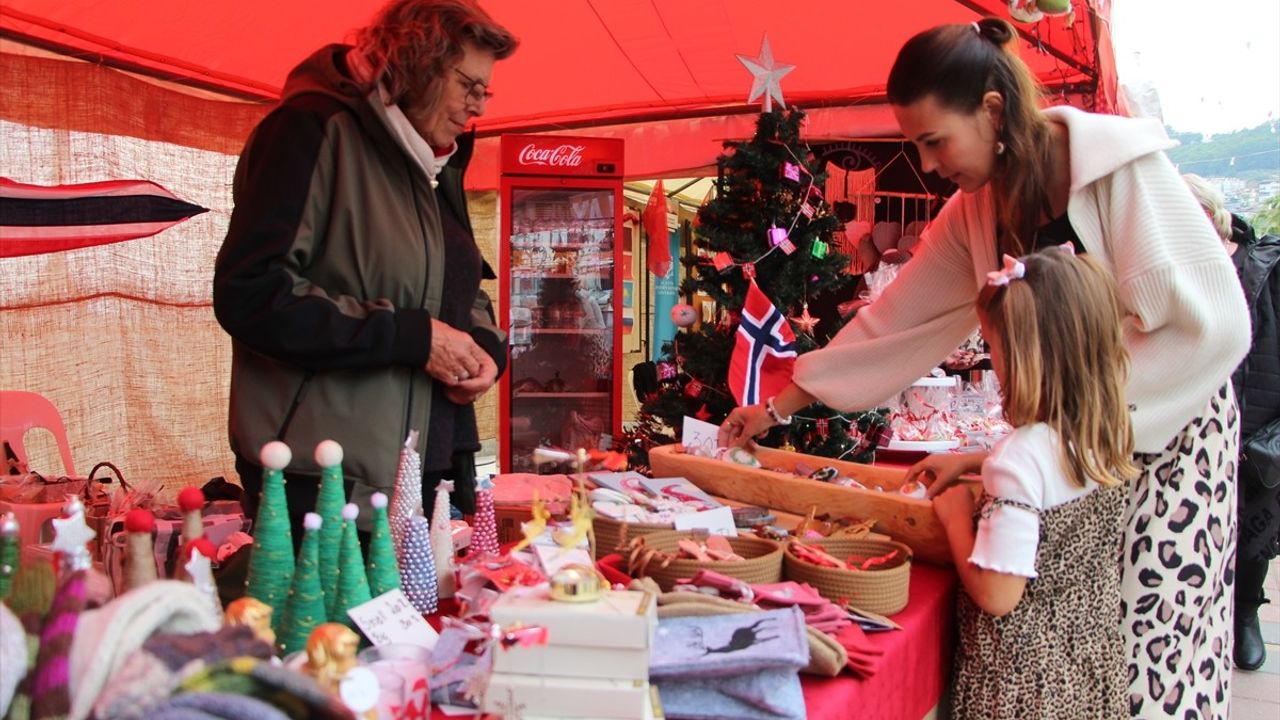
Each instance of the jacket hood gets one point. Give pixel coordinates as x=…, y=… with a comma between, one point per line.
x=1102, y=144
x=325, y=72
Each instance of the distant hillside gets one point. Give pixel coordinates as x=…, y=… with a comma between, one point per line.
x=1256, y=153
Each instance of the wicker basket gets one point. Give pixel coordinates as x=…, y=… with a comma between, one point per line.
x=881, y=590
x=609, y=533
x=763, y=562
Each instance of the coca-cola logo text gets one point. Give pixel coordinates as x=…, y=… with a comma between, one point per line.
x=562, y=156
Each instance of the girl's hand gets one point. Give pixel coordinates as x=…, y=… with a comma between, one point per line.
x=742, y=425
x=954, y=506
x=943, y=470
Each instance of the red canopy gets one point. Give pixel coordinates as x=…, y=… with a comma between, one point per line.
x=662, y=71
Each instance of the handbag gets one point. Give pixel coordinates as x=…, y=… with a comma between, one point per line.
x=1260, y=456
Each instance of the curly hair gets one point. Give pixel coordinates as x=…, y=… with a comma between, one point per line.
x=413, y=43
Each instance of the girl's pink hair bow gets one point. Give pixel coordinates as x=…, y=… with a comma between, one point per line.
x=1013, y=270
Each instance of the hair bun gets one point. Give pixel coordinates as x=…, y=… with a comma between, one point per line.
x=997, y=30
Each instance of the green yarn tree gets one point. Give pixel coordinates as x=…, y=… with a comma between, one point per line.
x=9, y=551
x=329, y=505
x=304, y=609
x=382, y=570
x=353, y=584
x=271, y=564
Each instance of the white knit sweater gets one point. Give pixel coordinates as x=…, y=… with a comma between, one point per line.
x=1186, y=328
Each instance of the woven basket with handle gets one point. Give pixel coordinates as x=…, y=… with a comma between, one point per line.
x=763, y=563
x=611, y=533
x=880, y=589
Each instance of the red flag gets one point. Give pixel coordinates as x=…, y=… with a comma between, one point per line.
x=655, y=226
x=764, y=354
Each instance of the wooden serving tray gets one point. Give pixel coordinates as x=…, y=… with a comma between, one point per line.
x=908, y=520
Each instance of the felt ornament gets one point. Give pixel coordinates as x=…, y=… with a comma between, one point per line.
x=418, y=567
x=329, y=506
x=484, y=536
x=271, y=565
x=139, y=548
x=10, y=551
x=304, y=608
x=72, y=537
x=353, y=583
x=382, y=570
x=406, y=498
x=442, y=540
x=198, y=558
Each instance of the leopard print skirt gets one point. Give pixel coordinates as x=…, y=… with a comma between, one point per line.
x=1060, y=654
x=1179, y=568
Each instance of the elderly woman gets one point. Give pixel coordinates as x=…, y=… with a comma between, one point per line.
x=349, y=280
x=1257, y=383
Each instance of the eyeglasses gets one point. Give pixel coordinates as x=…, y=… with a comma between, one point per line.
x=477, y=92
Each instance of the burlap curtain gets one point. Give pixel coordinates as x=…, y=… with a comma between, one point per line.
x=122, y=337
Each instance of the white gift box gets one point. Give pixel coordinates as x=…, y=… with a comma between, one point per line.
x=533, y=696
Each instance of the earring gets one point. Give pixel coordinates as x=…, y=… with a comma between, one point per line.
x=999, y=147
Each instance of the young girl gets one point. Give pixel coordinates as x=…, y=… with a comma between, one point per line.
x=1040, y=618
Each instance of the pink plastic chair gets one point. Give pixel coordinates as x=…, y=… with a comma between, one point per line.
x=20, y=411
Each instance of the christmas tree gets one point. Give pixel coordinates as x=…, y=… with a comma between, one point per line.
x=768, y=221
x=10, y=548
x=271, y=564
x=329, y=506
x=305, y=607
x=418, y=565
x=353, y=584
x=382, y=571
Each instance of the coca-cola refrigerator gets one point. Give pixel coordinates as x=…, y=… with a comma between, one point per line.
x=560, y=293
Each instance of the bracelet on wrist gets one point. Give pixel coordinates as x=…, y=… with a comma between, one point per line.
x=777, y=417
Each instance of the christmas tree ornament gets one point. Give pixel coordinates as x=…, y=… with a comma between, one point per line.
x=139, y=548
x=791, y=171
x=484, y=536
x=804, y=320
x=72, y=537
x=703, y=414
x=10, y=551
x=406, y=498
x=683, y=315
x=271, y=565
x=822, y=428
x=383, y=570
x=693, y=389
x=304, y=608
x=806, y=209
x=253, y=614
x=787, y=247
x=353, y=583
x=198, y=566
x=418, y=567
x=749, y=271
x=818, y=249
x=333, y=496
x=666, y=371
x=765, y=76
x=777, y=235
x=442, y=540
x=722, y=261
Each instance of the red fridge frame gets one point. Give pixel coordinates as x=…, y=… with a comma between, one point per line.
x=561, y=163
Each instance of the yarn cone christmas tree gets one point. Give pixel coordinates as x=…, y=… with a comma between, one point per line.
x=768, y=221
x=329, y=506
x=10, y=550
x=419, y=567
x=139, y=548
x=271, y=564
x=406, y=498
x=305, y=607
x=353, y=584
x=442, y=540
x=382, y=570
x=484, y=537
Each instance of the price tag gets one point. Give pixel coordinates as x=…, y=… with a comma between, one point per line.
x=391, y=618
x=716, y=522
x=698, y=437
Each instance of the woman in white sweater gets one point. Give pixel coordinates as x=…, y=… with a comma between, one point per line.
x=1029, y=178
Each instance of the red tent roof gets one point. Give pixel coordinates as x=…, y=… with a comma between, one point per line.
x=583, y=63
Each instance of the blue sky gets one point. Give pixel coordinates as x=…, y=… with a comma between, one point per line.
x=1215, y=64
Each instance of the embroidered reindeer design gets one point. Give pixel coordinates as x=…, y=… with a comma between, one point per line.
x=743, y=638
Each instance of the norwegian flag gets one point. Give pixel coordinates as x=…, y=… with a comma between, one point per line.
x=764, y=354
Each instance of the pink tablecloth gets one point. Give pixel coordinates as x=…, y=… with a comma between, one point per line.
x=914, y=671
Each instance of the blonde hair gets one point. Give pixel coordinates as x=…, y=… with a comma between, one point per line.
x=1214, y=204
x=958, y=65
x=1063, y=360
x=413, y=43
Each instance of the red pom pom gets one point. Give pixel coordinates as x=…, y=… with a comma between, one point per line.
x=191, y=498
x=203, y=545
x=140, y=521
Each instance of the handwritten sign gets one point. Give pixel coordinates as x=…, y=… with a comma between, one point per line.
x=391, y=618
x=698, y=437
x=716, y=522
